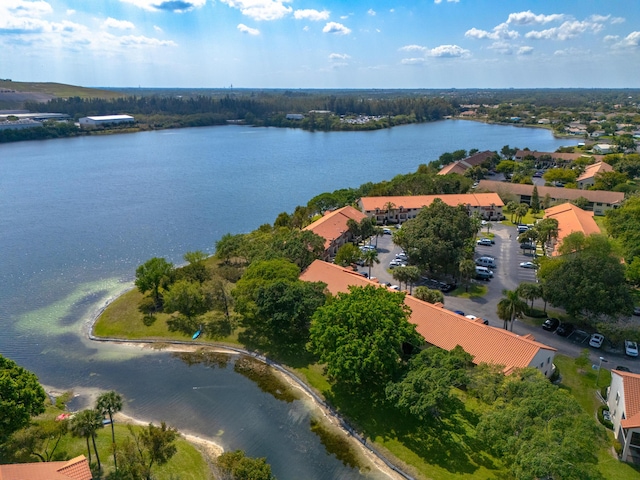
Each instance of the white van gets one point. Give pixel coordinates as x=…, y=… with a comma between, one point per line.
x=483, y=273
x=486, y=262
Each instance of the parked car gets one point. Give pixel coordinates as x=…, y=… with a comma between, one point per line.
x=394, y=287
x=622, y=368
x=484, y=241
x=401, y=256
x=596, y=340
x=459, y=312
x=528, y=265
x=471, y=317
x=550, y=324
x=631, y=348
x=636, y=310
x=565, y=329
x=387, y=231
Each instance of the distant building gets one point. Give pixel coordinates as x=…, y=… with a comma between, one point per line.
x=487, y=205
x=624, y=407
x=97, y=121
x=333, y=228
x=599, y=200
x=571, y=219
x=603, y=148
x=555, y=157
x=19, y=124
x=461, y=166
x=295, y=116
x=588, y=178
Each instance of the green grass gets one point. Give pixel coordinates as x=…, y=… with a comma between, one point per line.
x=475, y=291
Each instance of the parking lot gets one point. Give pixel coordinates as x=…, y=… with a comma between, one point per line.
x=507, y=275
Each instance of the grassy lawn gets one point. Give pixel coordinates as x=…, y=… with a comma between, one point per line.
x=59, y=89
x=475, y=291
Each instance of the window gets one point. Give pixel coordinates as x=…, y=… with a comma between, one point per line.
x=548, y=360
x=542, y=365
x=617, y=397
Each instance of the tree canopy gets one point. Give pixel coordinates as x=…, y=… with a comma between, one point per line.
x=362, y=336
x=152, y=275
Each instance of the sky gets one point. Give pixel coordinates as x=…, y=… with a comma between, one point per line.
x=322, y=43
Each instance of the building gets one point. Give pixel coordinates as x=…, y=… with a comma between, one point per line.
x=295, y=116
x=552, y=158
x=19, y=124
x=445, y=329
x=603, y=148
x=588, y=178
x=74, y=469
x=333, y=228
x=624, y=407
x=97, y=121
x=599, y=200
x=398, y=209
x=571, y=219
x=462, y=165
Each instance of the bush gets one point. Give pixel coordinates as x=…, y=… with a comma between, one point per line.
x=617, y=446
x=555, y=376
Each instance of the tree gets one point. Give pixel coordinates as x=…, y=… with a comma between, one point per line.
x=195, y=270
x=301, y=247
x=510, y=208
x=609, y=180
x=625, y=142
x=236, y=466
x=370, y=257
x=632, y=273
x=521, y=211
x=507, y=167
x=40, y=439
x=546, y=230
x=283, y=312
x=107, y=404
x=360, y=336
x=510, y=307
x=589, y=281
x=85, y=424
x=563, y=175
x=622, y=224
x=348, y=254
x=540, y=430
x=188, y=298
x=412, y=275
x=21, y=397
x=142, y=451
x=152, y=275
x=230, y=246
x=530, y=291
x=430, y=295
x=546, y=201
x=390, y=209
x=467, y=271
x=426, y=388
x=535, y=200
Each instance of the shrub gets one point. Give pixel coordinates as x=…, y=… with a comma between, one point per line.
x=606, y=423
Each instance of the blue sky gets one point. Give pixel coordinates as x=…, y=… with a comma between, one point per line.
x=322, y=43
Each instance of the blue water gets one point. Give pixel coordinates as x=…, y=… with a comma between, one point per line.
x=78, y=215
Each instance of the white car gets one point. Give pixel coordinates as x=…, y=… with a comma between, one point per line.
x=631, y=348
x=485, y=241
x=596, y=340
x=528, y=265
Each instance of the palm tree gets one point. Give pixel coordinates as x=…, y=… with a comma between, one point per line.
x=107, y=404
x=390, y=207
x=521, y=211
x=510, y=307
x=412, y=276
x=467, y=269
x=510, y=207
x=86, y=424
x=370, y=256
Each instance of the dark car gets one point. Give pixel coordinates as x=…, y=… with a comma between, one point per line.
x=550, y=324
x=565, y=329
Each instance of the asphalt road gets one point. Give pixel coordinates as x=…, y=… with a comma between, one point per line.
x=508, y=275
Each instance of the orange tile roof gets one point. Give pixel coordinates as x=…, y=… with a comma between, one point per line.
x=571, y=219
x=441, y=327
x=370, y=204
x=631, y=386
x=455, y=167
x=333, y=224
x=600, y=196
x=555, y=155
x=591, y=170
x=74, y=469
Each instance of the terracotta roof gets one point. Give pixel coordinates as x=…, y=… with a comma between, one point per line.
x=455, y=167
x=74, y=469
x=333, y=224
x=572, y=219
x=631, y=386
x=591, y=170
x=600, y=196
x=370, y=204
x=555, y=155
x=439, y=326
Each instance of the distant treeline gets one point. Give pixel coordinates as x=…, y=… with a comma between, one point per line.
x=260, y=109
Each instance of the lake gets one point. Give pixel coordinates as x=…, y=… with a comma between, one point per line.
x=78, y=215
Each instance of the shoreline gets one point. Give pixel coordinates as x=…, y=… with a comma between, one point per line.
x=209, y=447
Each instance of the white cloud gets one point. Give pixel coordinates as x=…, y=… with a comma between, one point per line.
x=571, y=52
x=118, y=24
x=413, y=48
x=305, y=28
x=567, y=30
x=449, y=1
x=611, y=38
x=158, y=29
x=392, y=10
x=530, y=18
x=499, y=32
x=339, y=56
x=70, y=12
x=337, y=28
x=599, y=18
x=617, y=20
x=22, y=8
x=178, y=6
x=311, y=14
x=525, y=50
x=371, y=12
x=413, y=61
x=630, y=41
x=142, y=41
x=248, y=30
x=501, y=47
x=261, y=9
x=444, y=51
